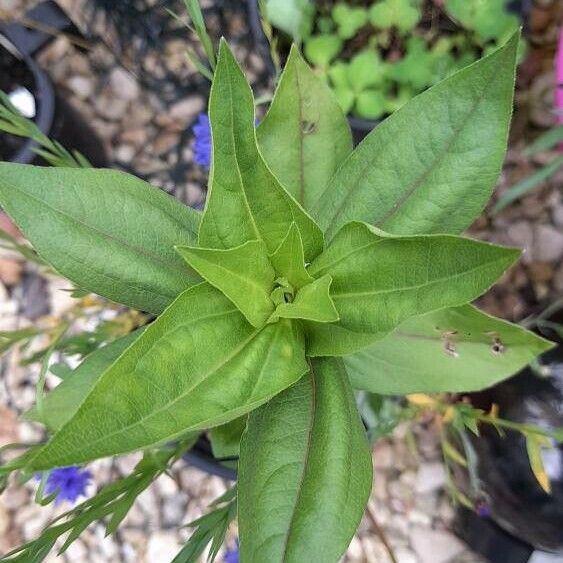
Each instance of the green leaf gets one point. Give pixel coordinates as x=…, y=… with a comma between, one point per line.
x=303, y=122
x=320, y=50
x=305, y=471
x=60, y=405
x=243, y=274
x=225, y=439
x=520, y=189
x=106, y=231
x=456, y=350
x=289, y=261
x=312, y=303
x=199, y=365
x=246, y=201
x=370, y=104
x=349, y=19
x=403, y=14
x=365, y=70
x=545, y=141
x=431, y=166
x=381, y=280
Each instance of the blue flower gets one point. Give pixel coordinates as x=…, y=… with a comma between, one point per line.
x=202, y=143
x=232, y=556
x=69, y=483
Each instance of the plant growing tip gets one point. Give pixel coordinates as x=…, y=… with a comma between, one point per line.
x=254, y=310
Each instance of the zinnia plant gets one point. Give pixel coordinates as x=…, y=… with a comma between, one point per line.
x=314, y=270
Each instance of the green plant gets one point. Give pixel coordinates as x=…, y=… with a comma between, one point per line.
x=309, y=268
x=544, y=142
x=377, y=57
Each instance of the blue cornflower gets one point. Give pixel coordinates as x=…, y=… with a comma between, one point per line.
x=232, y=556
x=202, y=143
x=70, y=482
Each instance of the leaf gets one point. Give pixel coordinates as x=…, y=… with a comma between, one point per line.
x=312, y=303
x=534, y=445
x=243, y=274
x=60, y=405
x=459, y=349
x=246, y=201
x=521, y=188
x=546, y=140
x=199, y=365
x=104, y=230
x=322, y=49
x=349, y=19
x=225, y=439
x=306, y=454
x=289, y=261
x=381, y=280
x=431, y=166
x=303, y=122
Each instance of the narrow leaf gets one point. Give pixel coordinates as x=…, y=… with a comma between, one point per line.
x=312, y=303
x=381, y=280
x=431, y=166
x=246, y=201
x=289, y=261
x=305, y=135
x=60, y=405
x=459, y=349
x=243, y=274
x=534, y=445
x=306, y=454
x=106, y=231
x=199, y=365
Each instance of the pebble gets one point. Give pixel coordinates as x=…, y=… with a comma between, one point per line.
x=548, y=243
x=82, y=86
x=161, y=547
x=186, y=109
x=558, y=216
x=124, y=84
x=110, y=107
x=430, y=477
x=434, y=546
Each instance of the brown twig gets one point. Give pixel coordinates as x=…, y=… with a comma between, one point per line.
x=380, y=533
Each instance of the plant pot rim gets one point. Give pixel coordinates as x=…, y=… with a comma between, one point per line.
x=45, y=102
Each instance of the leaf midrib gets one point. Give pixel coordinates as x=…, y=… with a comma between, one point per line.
x=154, y=257
x=347, y=295
x=420, y=179
x=310, y=429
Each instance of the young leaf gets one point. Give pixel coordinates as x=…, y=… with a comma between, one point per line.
x=225, y=439
x=289, y=261
x=106, y=231
x=380, y=280
x=457, y=350
x=60, y=405
x=304, y=136
x=246, y=201
x=199, y=365
x=306, y=454
x=431, y=166
x=534, y=445
x=243, y=274
x=312, y=303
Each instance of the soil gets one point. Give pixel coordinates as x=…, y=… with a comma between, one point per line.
x=13, y=74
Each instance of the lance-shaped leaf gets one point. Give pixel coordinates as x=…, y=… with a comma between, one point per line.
x=199, y=365
x=60, y=405
x=246, y=201
x=305, y=471
x=459, y=349
x=106, y=231
x=289, y=259
x=312, y=303
x=243, y=274
x=431, y=166
x=305, y=135
x=381, y=280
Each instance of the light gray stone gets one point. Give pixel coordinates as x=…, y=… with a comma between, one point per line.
x=434, y=546
x=162, y=546
x=430, y=477
x=548, y=243
x=123, y=84
x=82, y=86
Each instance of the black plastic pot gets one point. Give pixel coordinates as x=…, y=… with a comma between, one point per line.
x=201, y=456
x=524, y=518
x=53, y=115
